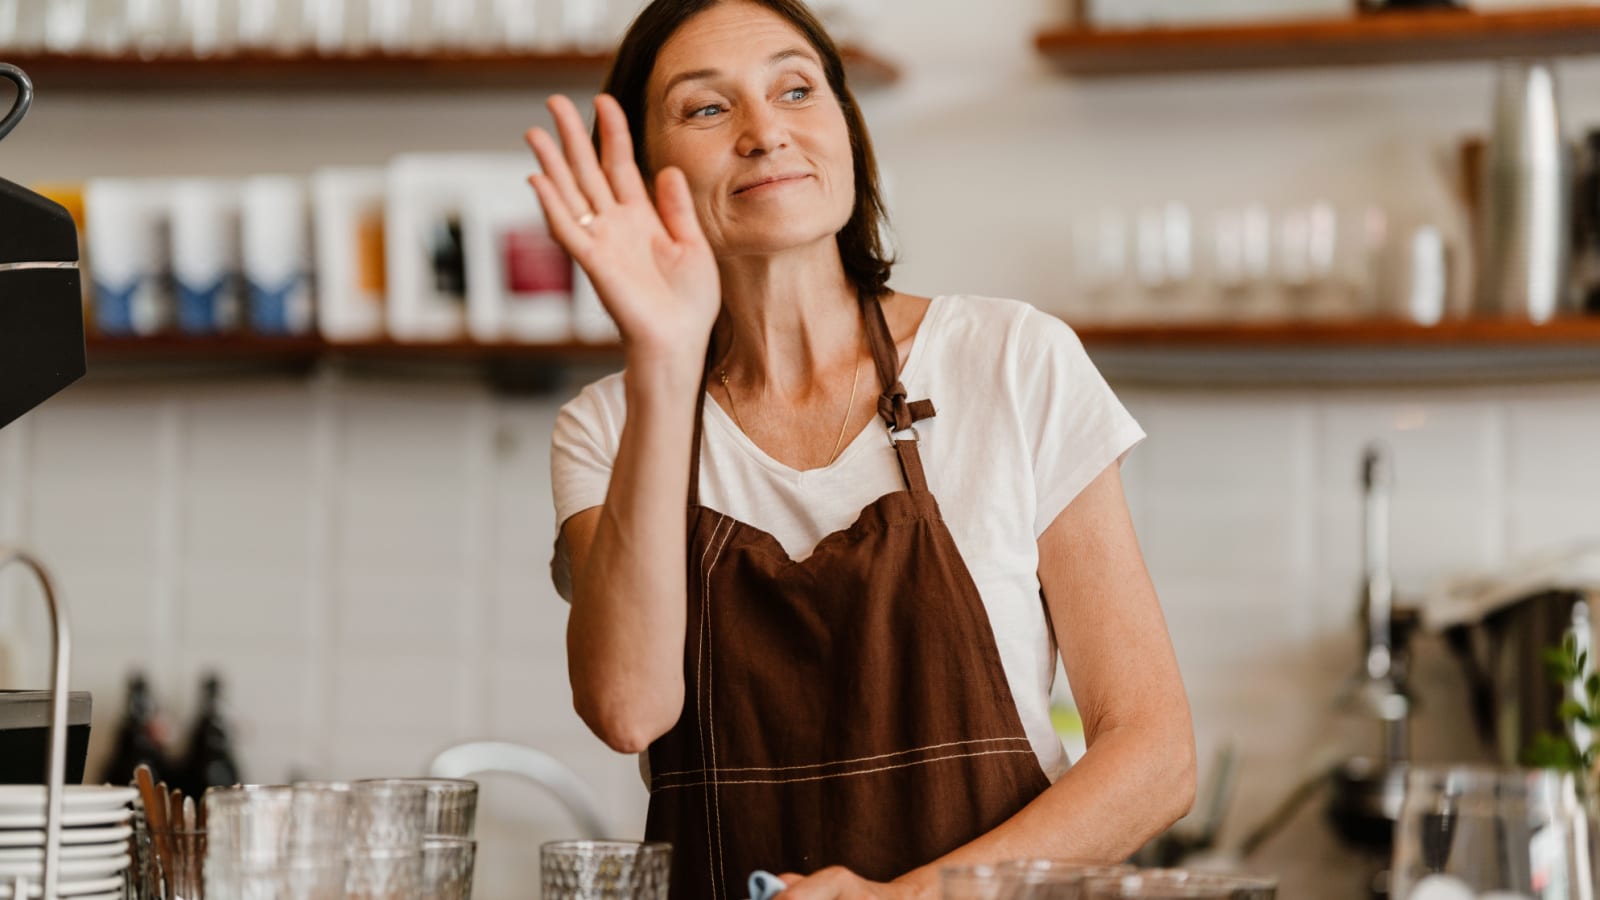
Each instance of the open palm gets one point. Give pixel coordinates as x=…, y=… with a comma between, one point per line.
x=649, y=260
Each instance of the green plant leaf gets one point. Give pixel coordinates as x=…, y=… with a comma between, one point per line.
x=1548, y=751
x=1558, y=665
x=1572, y=711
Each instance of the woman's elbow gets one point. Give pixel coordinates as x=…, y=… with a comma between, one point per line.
x=1180, y=778
x=629, y=724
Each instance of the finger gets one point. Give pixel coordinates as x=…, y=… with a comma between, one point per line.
x=676, y=206
x=558, y=215
x=616, y=151
x=790, y=879
x=580, y=155
x=555, y=166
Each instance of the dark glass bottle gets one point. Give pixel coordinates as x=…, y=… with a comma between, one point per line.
x=209, y=761
x=141, y=736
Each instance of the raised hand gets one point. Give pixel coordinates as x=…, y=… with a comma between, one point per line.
x=649, y=261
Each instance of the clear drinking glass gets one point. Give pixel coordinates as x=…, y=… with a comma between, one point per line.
x=1178, y=884
x=387, y=815
x=373, y=874
x=447, y=864
x=979, y=882
x=605, y=870
x=249, y=824
x=1475, y=830
x=179, y=871
x=319, y=816
x=452, y=804
x=1052, y=879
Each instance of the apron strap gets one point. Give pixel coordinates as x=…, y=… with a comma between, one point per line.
x=699, y=429
x=898, y=414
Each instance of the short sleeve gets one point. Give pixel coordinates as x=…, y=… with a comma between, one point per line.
x=583, y=448
x=1075, y=425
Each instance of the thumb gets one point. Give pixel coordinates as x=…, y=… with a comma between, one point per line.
x=676, y=206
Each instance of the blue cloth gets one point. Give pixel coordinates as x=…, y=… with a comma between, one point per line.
x=765, y=885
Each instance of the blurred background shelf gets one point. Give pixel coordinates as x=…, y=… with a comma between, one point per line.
x=1331, y=354
x=1350, y=335
x=1401, y=37
x=1255, y=353
x=269, y=71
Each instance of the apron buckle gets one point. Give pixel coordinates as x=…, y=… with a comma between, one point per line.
x=915, y=437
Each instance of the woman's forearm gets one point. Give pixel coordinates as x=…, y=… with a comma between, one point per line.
x=1132, y=784
x=626, y=631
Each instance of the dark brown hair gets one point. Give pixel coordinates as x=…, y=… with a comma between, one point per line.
x=866, y=262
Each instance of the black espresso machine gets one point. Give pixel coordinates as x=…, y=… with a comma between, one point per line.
x=41, y=352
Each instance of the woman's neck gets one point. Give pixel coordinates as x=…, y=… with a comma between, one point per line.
x=787, y=318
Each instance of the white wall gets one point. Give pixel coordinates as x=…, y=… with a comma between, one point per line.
x=366, y=559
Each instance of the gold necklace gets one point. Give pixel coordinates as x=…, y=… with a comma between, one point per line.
x=850, y=405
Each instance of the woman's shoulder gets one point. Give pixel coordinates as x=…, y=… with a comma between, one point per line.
x=1000, y=323
x=597, y=407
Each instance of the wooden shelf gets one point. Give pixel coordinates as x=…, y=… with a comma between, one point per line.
x=1373, y=39
x=1351, y=335
x=1255, y=354
x=1366, y=353
x=266, y=71
x=306, y=351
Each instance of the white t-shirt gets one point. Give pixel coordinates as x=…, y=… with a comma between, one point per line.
x=1024, y=423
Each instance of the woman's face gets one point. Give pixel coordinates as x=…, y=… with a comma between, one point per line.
x=738, y=101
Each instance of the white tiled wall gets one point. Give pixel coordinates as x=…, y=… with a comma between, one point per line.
x=366, y=562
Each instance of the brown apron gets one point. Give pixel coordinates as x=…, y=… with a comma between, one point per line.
x=849, y=709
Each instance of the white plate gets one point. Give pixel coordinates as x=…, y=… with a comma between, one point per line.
x=69, y=888
x=29, y=798
x=70, y=818
x=70, y=868
x=70, y=851
x=72, y=836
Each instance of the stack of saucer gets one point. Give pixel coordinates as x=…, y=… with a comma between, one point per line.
x=94, y=840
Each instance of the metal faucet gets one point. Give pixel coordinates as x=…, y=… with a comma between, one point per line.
x=1383, y=682
x=466, y=760
x=60, y=665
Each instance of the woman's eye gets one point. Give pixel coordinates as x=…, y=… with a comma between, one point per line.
x=705, y=112
x=803, y=93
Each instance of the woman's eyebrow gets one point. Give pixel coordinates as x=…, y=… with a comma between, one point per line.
x=704, y=74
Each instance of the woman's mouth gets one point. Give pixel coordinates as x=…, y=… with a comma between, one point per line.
x=766, y=184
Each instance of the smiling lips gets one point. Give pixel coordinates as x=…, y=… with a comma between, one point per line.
x=765, y=182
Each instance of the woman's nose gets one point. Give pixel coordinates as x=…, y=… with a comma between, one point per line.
x=761, y=131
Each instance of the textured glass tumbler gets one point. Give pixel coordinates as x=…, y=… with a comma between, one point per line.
x=182, y=875
x=1178, y=884
x=447, y=867
x=1052, y=879
x=452, y=804
x=295, y=879
x=605, y=870
x=248, y=825
x=980, y=882
x=386, y=816
x=321, y=811
x=384, y=875
x=1481, y=830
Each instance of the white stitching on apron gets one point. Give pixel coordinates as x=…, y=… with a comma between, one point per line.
x=700, y=712
x=920, y=762
x=718, y=873
x=838, y=762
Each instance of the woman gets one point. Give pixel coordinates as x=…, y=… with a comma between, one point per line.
x=834, y=681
